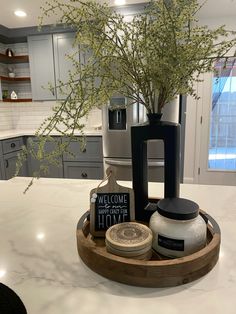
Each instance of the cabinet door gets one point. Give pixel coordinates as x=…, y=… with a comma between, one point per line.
x=53, y=170
x=2, y=174
x=10, y=166
x=41, y=67
x=83, y=170
x=63, y=47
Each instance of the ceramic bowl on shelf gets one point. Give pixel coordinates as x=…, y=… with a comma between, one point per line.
x=11, y=74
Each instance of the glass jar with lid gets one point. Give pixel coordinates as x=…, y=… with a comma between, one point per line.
x=178, y=228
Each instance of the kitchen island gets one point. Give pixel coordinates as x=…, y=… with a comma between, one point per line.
x=39, y=259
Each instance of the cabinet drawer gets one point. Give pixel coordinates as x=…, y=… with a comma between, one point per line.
x=83, y=170
x=12, y=145
x=91, y=152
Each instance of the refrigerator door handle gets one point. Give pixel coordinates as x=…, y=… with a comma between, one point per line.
x=113, y=162
x=128, y=162
x=160, y=163
x=118, y=116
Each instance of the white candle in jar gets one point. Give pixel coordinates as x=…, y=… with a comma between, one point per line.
x=178, y=229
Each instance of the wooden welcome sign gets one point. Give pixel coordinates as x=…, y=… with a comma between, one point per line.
x=109, y=205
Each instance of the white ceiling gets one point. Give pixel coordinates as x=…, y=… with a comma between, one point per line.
x=217, y=8
x=32, y=8
x=212, y=8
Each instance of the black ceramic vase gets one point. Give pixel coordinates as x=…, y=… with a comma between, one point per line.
x=154, y=129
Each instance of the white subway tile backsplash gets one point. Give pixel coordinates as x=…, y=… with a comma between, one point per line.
x=6, y=121
x=21, y=69
x=2, y=48
x=18, y=48
x=30, y=115
x=3, y=69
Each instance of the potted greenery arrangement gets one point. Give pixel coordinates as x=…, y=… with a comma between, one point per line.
x=150, y=59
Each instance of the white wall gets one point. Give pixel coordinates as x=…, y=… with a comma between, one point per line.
x=228, y=21
x=190, y=140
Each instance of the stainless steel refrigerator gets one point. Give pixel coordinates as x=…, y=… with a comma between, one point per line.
x=116, y=122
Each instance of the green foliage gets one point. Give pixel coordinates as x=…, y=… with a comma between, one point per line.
x=150, y=59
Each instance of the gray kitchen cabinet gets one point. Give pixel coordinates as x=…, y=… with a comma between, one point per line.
x=85, y=163
x=63, y=47
x=54, y=171
x=49, y=63
x=10, y=148
x=41, y=67
x=2, y=176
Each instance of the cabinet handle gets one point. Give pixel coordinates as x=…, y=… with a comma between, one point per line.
x=7, y=163
x=13, y=145
x=84, y=175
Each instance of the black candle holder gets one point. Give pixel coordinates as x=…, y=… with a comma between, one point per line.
x=161, y=130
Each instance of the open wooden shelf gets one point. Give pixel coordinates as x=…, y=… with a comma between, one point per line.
x=14, y=79
x=14, y=59
x=18, y=100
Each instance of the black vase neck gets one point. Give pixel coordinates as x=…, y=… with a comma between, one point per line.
x=154, y=118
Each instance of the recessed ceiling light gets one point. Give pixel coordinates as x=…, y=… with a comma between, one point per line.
x=120, y=2
x=20, y=13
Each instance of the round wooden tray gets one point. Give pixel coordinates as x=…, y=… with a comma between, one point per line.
x=157, y=272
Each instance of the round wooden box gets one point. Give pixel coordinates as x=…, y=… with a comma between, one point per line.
x=157, y=272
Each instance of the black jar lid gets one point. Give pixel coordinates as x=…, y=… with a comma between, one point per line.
x=177, y=208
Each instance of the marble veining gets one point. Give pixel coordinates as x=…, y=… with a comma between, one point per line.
x=39, y=259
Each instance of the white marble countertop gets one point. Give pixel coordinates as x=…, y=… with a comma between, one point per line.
x=39, y=260
x=15, y=133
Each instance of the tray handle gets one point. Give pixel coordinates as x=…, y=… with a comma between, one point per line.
x=83, y=221
x=212, y=221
